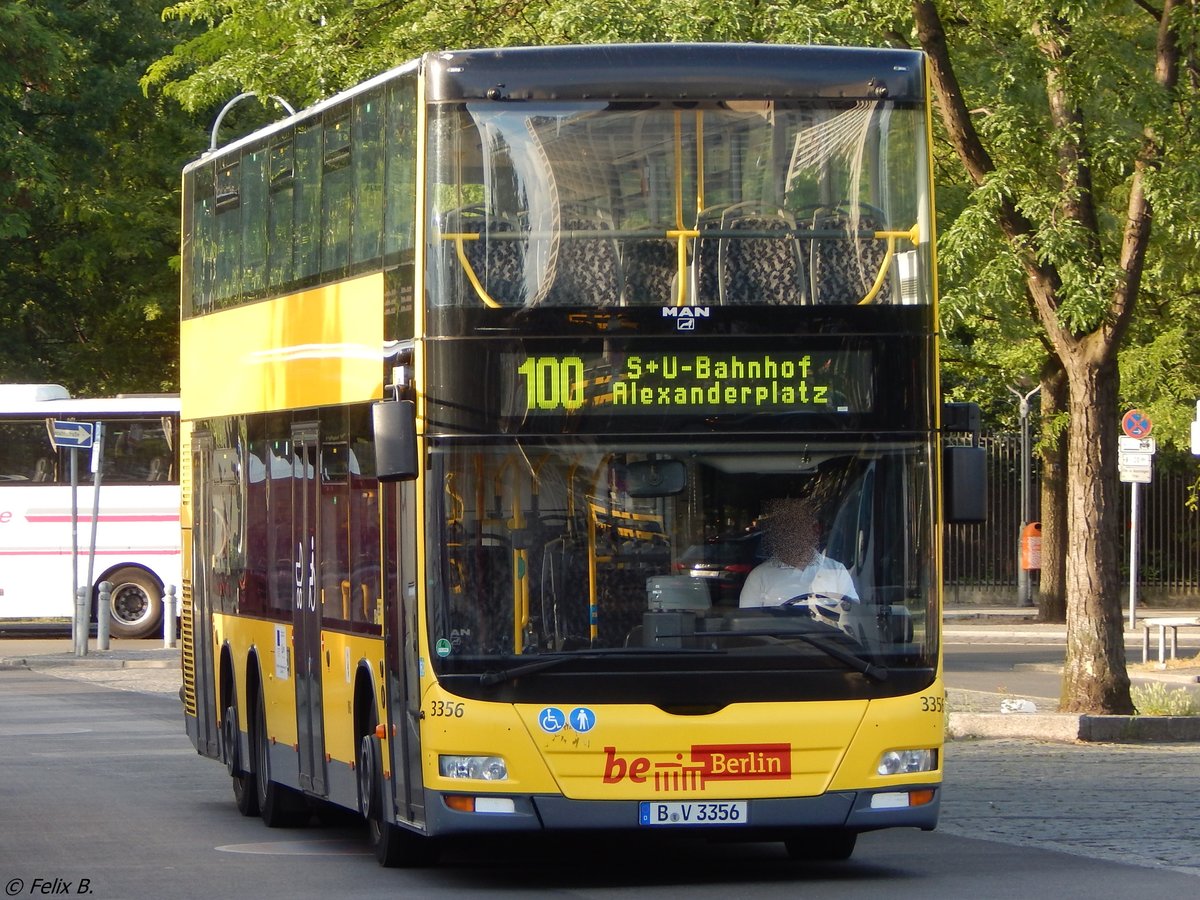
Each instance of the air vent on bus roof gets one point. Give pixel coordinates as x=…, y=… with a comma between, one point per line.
x=32, y=393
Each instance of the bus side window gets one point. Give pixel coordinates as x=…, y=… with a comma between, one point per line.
x=22, y=445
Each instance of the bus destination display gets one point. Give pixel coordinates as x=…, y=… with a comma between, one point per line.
x=691, y=383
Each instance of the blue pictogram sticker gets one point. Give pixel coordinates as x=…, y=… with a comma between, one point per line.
x=552, y=720
x=582, y=719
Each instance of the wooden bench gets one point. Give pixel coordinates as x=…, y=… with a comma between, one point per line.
x=1162, y=623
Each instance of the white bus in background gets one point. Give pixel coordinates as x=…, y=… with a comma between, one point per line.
x=137, y=527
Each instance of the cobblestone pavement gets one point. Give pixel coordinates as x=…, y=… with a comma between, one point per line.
x=1125, y=803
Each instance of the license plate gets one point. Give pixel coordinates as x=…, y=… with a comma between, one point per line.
x=686, y=812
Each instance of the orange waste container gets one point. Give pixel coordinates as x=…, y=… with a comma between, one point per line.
x=1031, y=546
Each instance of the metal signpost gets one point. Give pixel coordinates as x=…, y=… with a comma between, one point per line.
x=76, y=436
x=1024, y=586
x=1135, y=464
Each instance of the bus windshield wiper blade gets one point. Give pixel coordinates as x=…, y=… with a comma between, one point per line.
x=541, y=663
x=853, y=660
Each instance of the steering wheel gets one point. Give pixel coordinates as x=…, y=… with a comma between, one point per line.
x=825, y=607
x=809, y=596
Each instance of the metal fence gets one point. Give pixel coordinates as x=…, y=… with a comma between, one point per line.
x=985, y=557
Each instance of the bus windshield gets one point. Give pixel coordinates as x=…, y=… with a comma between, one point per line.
x=588, y=203
x=683, y=558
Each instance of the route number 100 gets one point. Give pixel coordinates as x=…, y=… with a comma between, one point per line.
x=553, y=382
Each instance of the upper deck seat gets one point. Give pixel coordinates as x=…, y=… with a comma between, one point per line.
x=493, y=250
x=844, y=267
x=758, y=268
x=650, y=269
x=587, y=265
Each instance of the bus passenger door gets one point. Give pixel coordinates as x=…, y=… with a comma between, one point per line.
x=307, y=607
x=398, y=503
x=199, y=554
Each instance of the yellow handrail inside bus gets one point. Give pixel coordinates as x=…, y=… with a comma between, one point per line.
x=913, y=234
x=480, y=290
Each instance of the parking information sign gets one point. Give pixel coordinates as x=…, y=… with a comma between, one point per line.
x=1135, y=459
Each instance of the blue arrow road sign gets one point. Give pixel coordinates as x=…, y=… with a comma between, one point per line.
x=70, y=434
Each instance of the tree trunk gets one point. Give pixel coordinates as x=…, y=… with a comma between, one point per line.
x=1052, y=600
x=1094, y=674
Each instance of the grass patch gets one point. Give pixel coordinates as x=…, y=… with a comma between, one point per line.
x=1155, y=700
x=1180, y=662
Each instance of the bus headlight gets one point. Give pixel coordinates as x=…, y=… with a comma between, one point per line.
x=904, y=762
x=481, y=768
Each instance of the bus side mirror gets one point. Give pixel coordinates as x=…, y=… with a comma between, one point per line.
x=395, y=440
x=964, y=468
x=964, y=485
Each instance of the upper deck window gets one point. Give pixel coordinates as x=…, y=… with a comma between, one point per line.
x=590, y=204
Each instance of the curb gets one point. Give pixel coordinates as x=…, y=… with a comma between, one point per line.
x=92, y=661
x=1073, y=728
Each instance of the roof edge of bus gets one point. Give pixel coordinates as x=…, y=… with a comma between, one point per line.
x=306, y=112
x=679, y=72
x=690, y=64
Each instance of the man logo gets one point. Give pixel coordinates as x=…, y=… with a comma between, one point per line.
x=685, y=316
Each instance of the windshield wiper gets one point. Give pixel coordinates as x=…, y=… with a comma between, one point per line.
x=854, y=661
x=549, y=662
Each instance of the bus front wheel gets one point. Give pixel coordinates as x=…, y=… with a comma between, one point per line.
x=394, y=846
x=821, y=846
x=136, y=606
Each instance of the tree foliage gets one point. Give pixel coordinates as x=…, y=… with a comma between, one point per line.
x=89, y=213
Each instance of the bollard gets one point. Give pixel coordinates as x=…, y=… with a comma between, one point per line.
x=170, y=614
x=81, y=621
x=103, y=615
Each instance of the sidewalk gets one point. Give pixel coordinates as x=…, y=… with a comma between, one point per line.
x=973, y=714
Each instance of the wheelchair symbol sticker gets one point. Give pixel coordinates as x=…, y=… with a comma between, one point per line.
x=552, y=720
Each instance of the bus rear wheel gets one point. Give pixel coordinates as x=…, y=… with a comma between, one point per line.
x=279, y=805
x=135, y=608
x=245, y=793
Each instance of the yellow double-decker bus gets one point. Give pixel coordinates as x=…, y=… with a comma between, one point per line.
x=564, y=449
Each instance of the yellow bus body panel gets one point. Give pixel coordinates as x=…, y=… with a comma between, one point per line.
x=320, y=347
x=746, y=751
x=343, y=655
x=245, y=636
x=912, y=722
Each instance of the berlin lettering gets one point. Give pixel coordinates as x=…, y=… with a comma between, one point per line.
x=707, y=763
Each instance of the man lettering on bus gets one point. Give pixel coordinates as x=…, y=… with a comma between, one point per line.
x=797, y=570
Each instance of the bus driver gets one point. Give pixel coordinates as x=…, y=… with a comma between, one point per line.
x=796, y=568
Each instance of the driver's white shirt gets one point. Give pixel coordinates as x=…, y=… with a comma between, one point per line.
x=774, y=581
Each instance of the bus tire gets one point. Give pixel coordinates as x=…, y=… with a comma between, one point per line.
x=245, y=793
x=280, y=806
x=821, y=846
x=136, y=606
x=394, y=846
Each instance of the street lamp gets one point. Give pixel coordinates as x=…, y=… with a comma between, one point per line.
x=1024, y=592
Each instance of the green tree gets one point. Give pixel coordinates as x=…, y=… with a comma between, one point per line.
x=89, y=173
x=1074, y=125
